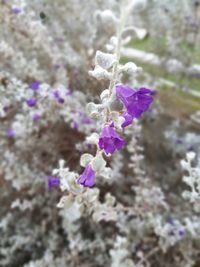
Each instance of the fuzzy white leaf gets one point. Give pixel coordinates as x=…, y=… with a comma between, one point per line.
x=98, y=163
x=85, y=159
x=65, y=202
x=105, y=60
x=106, y=16
x=130, y=68
x=93, y=138
x=100, y=73
x=104, y=94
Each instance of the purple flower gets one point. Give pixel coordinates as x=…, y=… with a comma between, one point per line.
x=110, y=141
x=57, y=96
x=181, y=232
x=10, y=132
x=35, y=85
x=179, y=141
x=74, y=125
x=6, y=109
x=128, y=119
x=61, y=100
x=69, y=92
x=85, y=119
x=31, y=102
x=87, y=177
x=187, y=18
x=16, y=10
x=89, y=146
x=135, y=101
x=194, y=24
x=170, y=221
x=53, y=181
x=36, y=116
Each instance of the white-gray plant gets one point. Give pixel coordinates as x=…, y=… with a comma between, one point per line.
x=192, y=179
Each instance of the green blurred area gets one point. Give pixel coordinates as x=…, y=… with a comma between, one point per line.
x=159, y=46
x=175, y=100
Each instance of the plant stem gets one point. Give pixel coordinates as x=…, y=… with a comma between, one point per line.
x=118, y=49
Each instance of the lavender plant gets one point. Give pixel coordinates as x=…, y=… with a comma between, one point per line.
x=119, y=107
x=112, y=210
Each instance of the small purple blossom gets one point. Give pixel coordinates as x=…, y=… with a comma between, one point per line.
x=194, y=24
x=74, y=125
x=87, y=177
x=187, y=18
x=10, y=132
x=85, y=119
x=109, y=140
x=36, y=116
x=179, y=141
x=89, y=146
x=57, y=96
x=6, y=109
x=171, y=221
x=16, y=10
x=61, y=100
x=69, y=92
x=35, y=85
x=135, y=101
x=181, y=232
x=128, y=119
x=31, y=102
x=53, y=181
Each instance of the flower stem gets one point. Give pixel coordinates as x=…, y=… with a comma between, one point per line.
x=118, y=49
x=118, y=54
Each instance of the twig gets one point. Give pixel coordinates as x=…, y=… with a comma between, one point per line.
x=151, y=253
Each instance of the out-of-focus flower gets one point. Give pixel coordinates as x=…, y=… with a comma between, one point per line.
x=36, y=116
x=135, y=101
x=89, y=146
x=53, y=181
x=194, y=24
x=35, y=85
x=179, y=141
x=6, y=109
x=74, y=125
x=16, y=10
x=69, y=92
x=57, y=96
x=87, y=177
x=85, y=119
x=181, y=232
x=31, y=102
x=187, y=18
x=10, y=132
x=109, y=140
